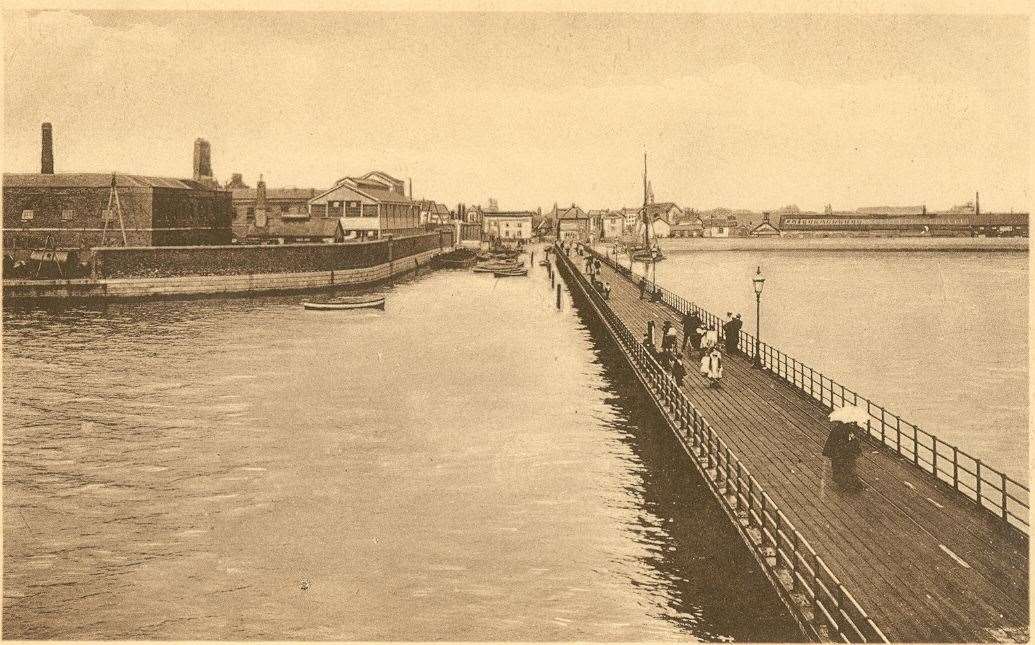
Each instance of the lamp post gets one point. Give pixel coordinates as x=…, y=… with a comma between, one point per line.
x=759, y=283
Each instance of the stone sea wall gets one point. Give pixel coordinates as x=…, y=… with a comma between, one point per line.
x=175, y=261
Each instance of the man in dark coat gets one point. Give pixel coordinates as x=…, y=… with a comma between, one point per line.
x=734, y=335
x=691, y=322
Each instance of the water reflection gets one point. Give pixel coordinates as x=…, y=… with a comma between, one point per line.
x=467, y=465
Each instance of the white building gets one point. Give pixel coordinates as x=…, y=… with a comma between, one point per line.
x=507, y=225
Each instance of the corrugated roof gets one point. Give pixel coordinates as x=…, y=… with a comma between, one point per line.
x=276, y=193
x=98, y=180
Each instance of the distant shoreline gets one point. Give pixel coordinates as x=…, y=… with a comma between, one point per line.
x=1015, y=244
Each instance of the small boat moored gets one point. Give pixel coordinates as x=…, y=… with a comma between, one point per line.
x=510, y=273
x=372, y=301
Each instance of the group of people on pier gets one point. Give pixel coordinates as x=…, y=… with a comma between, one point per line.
x=844, y=443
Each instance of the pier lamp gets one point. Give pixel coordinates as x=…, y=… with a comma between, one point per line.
x=759, y=283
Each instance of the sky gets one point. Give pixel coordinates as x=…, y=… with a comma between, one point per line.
x=739, y=110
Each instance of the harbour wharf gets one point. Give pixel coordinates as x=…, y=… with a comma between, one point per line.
x=934, y=548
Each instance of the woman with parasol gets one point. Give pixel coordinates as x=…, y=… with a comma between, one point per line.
x=843, y=444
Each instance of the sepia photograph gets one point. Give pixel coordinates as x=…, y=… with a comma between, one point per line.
x=568, y=322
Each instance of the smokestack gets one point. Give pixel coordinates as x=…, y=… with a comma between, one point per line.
x=411, y=186
x=977, y=203
x=47, y=152
x=202, y=160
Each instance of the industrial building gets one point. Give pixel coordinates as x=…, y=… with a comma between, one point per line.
x=277, y=215
x=368, y=207
x=85, y=210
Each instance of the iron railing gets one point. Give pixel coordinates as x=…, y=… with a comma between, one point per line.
x=802, y=577
x=991, y=489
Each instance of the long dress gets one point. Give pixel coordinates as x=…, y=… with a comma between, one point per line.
x=715, y=366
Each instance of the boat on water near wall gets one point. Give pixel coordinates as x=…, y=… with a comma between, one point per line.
x=371, y=301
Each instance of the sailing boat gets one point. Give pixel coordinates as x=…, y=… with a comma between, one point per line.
x=649, y=251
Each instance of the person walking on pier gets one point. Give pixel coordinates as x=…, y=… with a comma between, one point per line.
x=668, y=336
x=843, y=447
x=738, y=324
x=711, y=367
x=691, y=322
x=710, y=338
x=731, y=331
x=678, y=370
x=648, y=340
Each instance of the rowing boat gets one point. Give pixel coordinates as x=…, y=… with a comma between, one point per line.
x=510, y=273
x=374, y=301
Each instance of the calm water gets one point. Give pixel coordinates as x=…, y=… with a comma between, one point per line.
x=939, y=338
x=470, y=464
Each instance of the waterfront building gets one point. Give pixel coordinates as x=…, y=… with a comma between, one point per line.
x=369, y=207
x=508, y=225
x=765, y=228
x=612, y=225
x=71, y=210
x=432, y=212
x=714, y=227
x=667, y=211
x=691, y=228
x=938, y=225
x=571, y=223
x=282, y=217
x=632, y=218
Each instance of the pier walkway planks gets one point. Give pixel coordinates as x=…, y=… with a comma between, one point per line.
x=923, y=561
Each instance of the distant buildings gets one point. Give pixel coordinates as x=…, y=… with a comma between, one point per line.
x=571, y=223
x=612, y=225
x=765, y=228
x=508, y=225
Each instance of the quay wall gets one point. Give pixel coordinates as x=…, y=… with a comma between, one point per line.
x=1019, y=244
x=237, y=260
x=185, y=275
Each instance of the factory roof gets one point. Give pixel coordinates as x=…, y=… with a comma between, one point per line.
x=97, y=180
x=276, y=193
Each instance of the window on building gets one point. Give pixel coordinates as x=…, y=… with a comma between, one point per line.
x=67, y=215
x=251, y=212
x=354, y=209
x=27, y=215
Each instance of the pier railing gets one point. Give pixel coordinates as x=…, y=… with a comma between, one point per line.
x=991, y=489
x=790, y=560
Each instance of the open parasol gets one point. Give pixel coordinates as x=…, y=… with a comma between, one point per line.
x=851, y=414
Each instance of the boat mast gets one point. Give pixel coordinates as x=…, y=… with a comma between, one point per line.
x=646, y=233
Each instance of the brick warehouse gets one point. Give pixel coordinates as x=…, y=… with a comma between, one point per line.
x=69, y=210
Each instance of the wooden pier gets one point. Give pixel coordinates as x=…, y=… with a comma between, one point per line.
x=933, y=549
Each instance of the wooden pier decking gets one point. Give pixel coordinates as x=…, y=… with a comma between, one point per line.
x=924, y=562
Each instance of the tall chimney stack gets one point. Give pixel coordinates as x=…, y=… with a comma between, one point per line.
x=977, y=203
x=47, y=152
x=202, y=160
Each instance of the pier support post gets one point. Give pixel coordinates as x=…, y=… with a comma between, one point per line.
x=558, y=296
